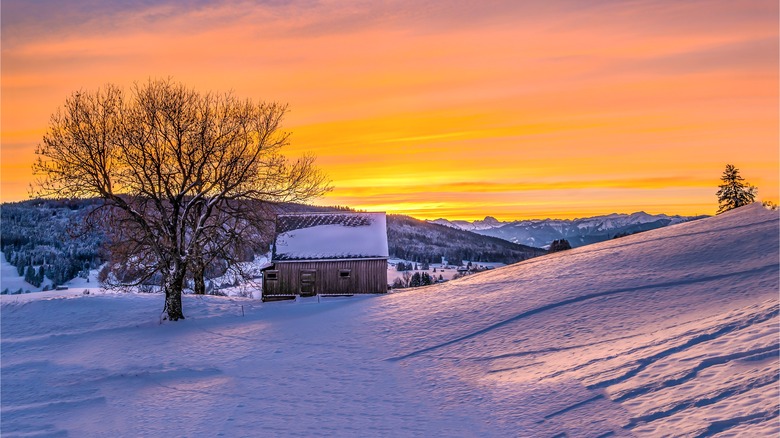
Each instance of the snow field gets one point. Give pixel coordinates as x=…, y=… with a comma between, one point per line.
x=677, y=329
x=672, y=332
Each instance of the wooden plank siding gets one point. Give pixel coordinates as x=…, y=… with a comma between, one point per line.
x=365, y=277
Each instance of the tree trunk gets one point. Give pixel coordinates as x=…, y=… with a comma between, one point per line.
x=173, y=286
x=198, y=272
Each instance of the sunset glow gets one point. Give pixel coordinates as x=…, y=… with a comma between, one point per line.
x=444, y=110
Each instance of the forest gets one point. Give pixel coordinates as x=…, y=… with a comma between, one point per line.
x=50, y=241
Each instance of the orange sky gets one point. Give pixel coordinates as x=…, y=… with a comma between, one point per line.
x=442, y=109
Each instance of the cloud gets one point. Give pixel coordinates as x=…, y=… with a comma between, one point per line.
x=548, y=97
x=24, y=20
x=753, y=54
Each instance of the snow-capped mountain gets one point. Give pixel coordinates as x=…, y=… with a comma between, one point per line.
x=582, y=231
x=484, y=224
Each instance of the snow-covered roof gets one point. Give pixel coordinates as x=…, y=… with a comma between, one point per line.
x=328, y=236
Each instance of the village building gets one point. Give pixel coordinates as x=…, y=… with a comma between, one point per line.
x=327, y=254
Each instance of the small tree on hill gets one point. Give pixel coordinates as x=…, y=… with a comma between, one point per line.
x=734, y=192
x=39, y=277
x=560, y=245
x=407, y=278
x=29, y=275
x=416, y=280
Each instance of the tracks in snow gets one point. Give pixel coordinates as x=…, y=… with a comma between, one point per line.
x=581, y=299
x=692, y=380
x=681, y=373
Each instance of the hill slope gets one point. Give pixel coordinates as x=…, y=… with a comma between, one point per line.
x=413, y=239
x=669, y=332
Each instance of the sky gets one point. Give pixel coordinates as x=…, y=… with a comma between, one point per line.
x=454, y=109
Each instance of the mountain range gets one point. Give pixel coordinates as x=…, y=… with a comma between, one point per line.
x=582, y=231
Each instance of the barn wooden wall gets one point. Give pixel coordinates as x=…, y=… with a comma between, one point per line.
x=367, y=277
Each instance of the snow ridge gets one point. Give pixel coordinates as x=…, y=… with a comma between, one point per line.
x=580, y=299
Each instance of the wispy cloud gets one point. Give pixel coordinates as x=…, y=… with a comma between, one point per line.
x=601, y=98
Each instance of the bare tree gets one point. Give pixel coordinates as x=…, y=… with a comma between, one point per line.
x=235, y=232
x=406, y=277
x=170, y=161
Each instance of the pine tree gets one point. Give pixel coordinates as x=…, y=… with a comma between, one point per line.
x=39, y=277
x=29, y=275
x=559, y=245
x=734, y=192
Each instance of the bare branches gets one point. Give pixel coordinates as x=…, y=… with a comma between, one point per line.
x=78, y=152
x=174, y=162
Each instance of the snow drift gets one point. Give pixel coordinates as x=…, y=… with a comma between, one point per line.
x=669, y=332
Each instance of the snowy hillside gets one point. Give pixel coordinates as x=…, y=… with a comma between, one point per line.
x=672, y=332
x=412, y=239
x=541, y=232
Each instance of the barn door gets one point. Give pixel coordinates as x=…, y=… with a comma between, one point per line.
x=308, y=280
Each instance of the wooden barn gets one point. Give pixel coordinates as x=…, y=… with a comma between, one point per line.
x=327, y=254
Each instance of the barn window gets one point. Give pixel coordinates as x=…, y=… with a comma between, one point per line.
x=271, y=275
x=345, y=273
